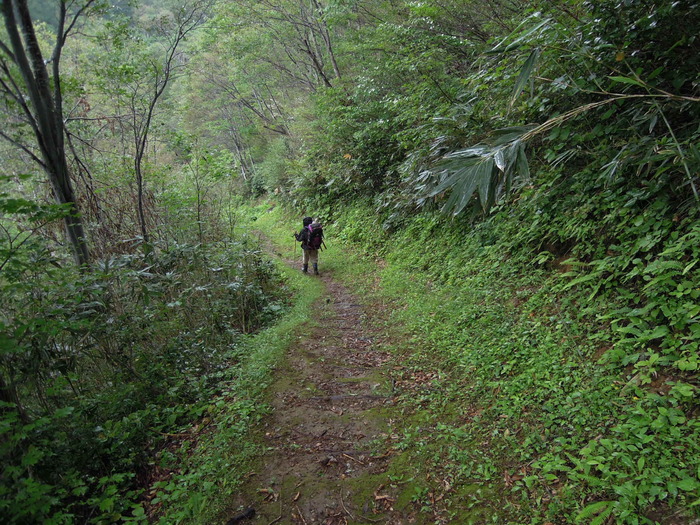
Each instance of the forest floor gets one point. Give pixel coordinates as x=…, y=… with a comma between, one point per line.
x=328, y=437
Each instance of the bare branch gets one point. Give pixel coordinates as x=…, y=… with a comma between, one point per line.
x=23, y=147
x=7, y=51
x=76, y=16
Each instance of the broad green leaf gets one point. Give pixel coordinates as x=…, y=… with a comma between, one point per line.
x=657, y=333
x=688, y=484
x=683, y=389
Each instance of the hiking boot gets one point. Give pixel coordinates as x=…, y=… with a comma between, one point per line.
x=305, y=268
x=316, y=269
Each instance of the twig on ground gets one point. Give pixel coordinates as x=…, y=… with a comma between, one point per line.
x=344, y=507
x=354, y=459
x=300, y=514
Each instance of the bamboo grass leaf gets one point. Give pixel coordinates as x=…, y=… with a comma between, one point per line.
x=522, y=164
x=518, y=41
x=461, y=195
x=483, y=173
x=525, y=74
x=627, y=80
x=451, y=180
x=511, y=155
x=611, y=167
x=453, y=199
x=474, y=151
x=500, y=160
x=508, y=135
x=490, y=170
x=487, y=170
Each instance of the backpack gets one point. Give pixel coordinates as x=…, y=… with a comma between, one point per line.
x=315, y=236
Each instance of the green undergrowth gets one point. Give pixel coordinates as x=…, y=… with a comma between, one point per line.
x=535, y=387
x=108, y=375
x=130, y=392
x=564, y=387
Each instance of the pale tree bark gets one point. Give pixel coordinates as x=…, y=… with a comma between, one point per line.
x=42, y=105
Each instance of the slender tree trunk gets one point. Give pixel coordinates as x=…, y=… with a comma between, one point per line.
x=46, y=114
x=326, y=35
x=188, y=18
x=198, y=188
x=140, y=208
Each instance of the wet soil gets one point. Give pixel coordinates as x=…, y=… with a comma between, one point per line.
x=327, y=436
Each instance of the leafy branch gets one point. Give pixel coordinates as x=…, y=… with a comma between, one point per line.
x=492, y=169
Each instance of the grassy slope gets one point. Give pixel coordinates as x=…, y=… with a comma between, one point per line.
x=523, y=402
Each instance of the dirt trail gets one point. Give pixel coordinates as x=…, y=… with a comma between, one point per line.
x=327, y=434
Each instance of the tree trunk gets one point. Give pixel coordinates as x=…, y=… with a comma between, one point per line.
x=46, y=115
x=187, y=19
x=139, y=198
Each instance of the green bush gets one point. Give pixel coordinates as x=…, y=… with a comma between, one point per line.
x=97, y=368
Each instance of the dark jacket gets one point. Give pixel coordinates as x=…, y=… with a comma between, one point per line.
x=303, y=237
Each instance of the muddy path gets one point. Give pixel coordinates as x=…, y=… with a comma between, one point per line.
x=328, y=435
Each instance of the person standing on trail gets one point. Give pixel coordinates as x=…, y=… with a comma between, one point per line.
x=311, y=238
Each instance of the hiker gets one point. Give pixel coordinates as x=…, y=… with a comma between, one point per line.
x=311, y=238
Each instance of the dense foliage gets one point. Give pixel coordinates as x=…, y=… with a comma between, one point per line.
x=98, y=369
x=106, y=369
x=571, y=307
x=536, y=162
